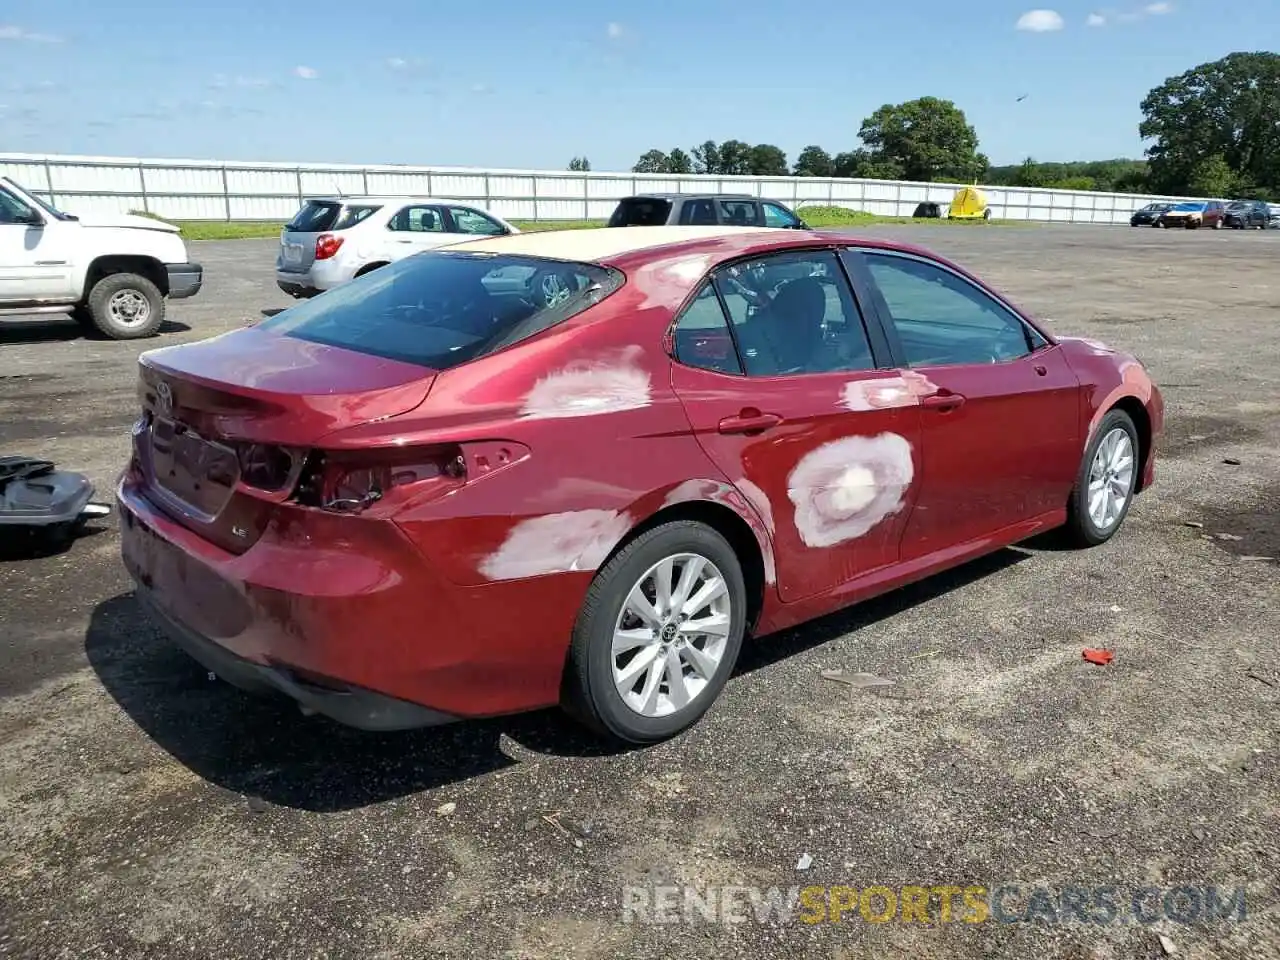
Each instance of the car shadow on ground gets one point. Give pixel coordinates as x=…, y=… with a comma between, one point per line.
x=61, y=331
x=36, y=543
x=265, y=748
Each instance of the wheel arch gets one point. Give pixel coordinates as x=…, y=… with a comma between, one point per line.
x=747, y=537
x=370, y=267
x=108, y=264
x=1137, y=411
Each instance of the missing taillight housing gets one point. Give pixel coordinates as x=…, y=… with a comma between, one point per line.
x=327, y=245
x=267, y=467
x=344, y=482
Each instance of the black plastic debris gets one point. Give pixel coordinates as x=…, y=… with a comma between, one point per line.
x=39, y=502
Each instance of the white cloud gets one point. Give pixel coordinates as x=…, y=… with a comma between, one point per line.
x=306, y=73
x=1040, y=21
x=11, y=32
x=1096, y=20
x=397, y=63
x=614, y=30
x=1158, y=9
x=481, y=88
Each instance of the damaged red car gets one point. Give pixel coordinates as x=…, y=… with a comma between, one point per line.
x=579, y=467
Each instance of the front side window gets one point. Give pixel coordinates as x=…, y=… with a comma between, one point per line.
x=778, y=216
x=740, y=213
x=443, y=308
x=13, y=210
x=702, y=337
x=417, y=219
x=466, y=220
x=794, y=313
x=942, y=319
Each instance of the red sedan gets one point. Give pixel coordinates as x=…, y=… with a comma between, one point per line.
x=578, y=467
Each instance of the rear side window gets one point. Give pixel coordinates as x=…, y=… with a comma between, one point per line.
x=641, y=212
x=315, y=217
x=702, y=337
x=740, y=213
x=698, y=212
x=441, y=309
x=351, y=215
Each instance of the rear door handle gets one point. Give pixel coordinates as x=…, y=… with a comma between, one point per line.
x=943, y=402
x=749, y=422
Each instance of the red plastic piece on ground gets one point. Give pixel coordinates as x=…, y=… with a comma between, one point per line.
x=1100, y=657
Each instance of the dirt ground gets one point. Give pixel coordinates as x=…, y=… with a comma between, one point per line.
x=147, y=811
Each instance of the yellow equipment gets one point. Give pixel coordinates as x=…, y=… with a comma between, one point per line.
x=969, y=203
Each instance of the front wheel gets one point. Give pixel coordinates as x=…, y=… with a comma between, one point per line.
x=1106, y=482
x=125, y=306
x=658, y=635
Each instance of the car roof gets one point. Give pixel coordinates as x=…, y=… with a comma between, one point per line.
x=632, y=247
x=387, y=200
x=693, y=196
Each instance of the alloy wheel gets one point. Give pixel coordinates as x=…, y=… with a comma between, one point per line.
x=670, y=638
x=1111, y=475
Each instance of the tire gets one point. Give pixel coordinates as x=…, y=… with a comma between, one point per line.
x=1082, y=528
x=116, y=296
x=594, y=676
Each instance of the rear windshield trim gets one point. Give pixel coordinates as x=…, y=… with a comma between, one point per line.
x=416, y=310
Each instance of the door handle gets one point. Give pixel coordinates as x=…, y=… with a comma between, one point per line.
x=749, y=421
x=942, y=401
x=1040, y=369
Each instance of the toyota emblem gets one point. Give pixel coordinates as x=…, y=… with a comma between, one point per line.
x=164, y=398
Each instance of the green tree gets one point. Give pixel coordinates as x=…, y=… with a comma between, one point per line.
x=1211, y=177
x=847, y=164
x=652, y=161
x=735, y=158
x=679, y=162
x=814, y=162
x=580, y=164
x=928, y=139
x=766, y=160
x=1225, y=109
x=706, y=158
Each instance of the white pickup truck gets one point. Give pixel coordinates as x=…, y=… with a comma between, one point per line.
x=112, y=274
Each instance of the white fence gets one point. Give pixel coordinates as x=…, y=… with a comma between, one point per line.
x=213, y=190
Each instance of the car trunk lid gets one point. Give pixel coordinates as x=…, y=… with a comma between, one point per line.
x=227, y=423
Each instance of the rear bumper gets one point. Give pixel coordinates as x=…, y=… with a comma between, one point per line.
x=346, y=616
x=185, y=279
x=296, y=284
x=352, y=706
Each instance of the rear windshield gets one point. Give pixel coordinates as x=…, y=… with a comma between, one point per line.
x=641, y=212
x=440, y=309
x=318, y=216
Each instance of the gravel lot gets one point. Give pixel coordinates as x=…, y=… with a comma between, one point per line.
x=146, y=811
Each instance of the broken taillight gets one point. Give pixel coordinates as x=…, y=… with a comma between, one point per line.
x=267, y=467
x=345, y=482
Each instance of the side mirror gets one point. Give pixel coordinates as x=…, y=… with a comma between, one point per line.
x=29, y=218
x=801, y=225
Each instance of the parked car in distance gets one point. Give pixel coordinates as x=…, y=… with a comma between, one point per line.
x=334, y=239
x=1194, y=214
x=112, y=274
x=1273, y=211
x=427, y=495
x=703, y=209
x=1244, y=214
x=1149, y=215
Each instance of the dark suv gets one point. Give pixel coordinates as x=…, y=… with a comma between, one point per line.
x=1243, y=214
x=703, y=209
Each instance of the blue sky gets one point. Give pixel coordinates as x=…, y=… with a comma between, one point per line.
x=521, y=84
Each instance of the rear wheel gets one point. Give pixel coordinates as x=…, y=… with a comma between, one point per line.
x=125, y=306
x=1106, y=482
x=658, y=635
